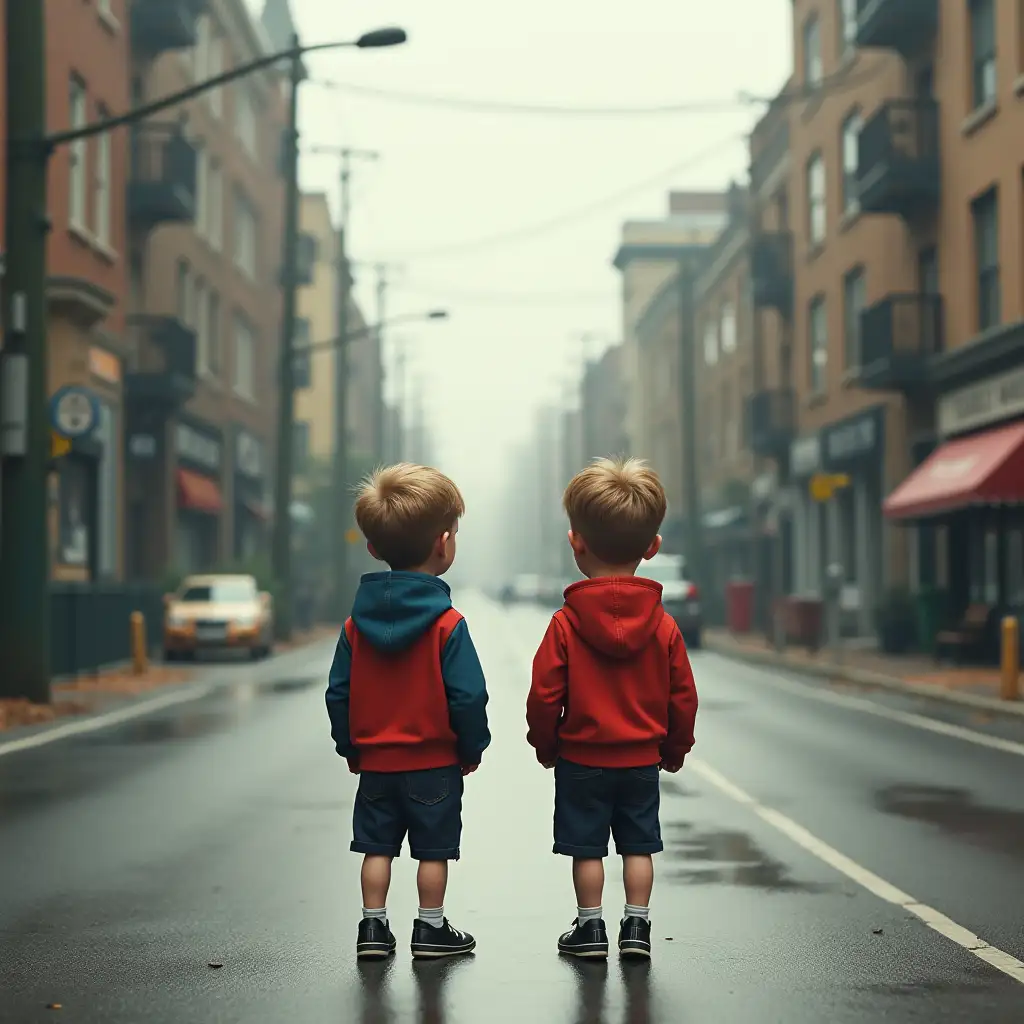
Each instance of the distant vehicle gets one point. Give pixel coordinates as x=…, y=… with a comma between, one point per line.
x=678, y=594
x=224, y=613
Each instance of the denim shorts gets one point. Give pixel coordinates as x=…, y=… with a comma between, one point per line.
x=424, y=805
x=593, y=803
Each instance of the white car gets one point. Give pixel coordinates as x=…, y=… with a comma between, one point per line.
x=679, y=595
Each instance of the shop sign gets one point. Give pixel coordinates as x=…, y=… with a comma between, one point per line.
x=854, y=439
x=197, y=448
x=104, y=365
x=998, y=398
x=805, y=455
x=248, y=455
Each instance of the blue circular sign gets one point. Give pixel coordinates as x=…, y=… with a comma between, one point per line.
x=74, y=412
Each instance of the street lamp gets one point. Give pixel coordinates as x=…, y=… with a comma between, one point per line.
x=365, y=332
x=24, y=537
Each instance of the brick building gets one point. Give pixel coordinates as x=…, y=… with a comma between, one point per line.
x=205, y=206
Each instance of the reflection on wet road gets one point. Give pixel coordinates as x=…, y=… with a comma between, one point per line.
x=216, y=831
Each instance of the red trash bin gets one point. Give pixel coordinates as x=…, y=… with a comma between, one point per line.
x=739, y=598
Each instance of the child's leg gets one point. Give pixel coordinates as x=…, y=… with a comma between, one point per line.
x=376, y=880
x=638, y=881
x=588, y=881
x=431, y=883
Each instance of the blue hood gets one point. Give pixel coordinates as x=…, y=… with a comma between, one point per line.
x=392, y=610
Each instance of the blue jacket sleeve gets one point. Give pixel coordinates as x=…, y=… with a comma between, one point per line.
x=466, y=690
x=338, y=697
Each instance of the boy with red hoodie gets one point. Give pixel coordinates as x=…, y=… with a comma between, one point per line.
x=407, y=703
x=612, y=701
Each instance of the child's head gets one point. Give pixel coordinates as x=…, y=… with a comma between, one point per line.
x=409, y=516
x=615, y=509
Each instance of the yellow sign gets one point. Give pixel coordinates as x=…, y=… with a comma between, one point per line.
x=352, y=536
x=824, y=485
x=59, y=445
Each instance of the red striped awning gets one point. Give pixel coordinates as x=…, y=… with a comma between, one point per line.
x=199, y=493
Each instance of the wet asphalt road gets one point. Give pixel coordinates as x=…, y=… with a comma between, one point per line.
x=217, y=832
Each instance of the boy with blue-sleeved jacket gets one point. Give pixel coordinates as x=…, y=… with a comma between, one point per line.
x=407, y=702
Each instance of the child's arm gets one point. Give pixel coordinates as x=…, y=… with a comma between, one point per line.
x=466, y=690
x=337, y=699
x=682, y=706
x=546, y=701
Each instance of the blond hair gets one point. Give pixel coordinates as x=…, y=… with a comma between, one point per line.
x=617, y=507
x=403, y=509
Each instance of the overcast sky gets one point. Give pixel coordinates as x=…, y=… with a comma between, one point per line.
x=446, y=177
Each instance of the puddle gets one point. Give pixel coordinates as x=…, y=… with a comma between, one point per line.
x=280, y=686
x=669, y=785
x=180, y=726
x=955, y=812
x=727, y=858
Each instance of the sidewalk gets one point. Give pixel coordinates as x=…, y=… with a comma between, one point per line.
x=917, y=674
x=90, y=694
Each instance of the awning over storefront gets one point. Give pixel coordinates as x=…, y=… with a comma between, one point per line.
x=985, y=469
x=199, y=493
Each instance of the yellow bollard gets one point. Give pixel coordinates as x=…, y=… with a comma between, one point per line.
x=140, y=659
x=1010, y=688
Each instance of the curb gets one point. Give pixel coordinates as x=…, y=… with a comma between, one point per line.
x=863, y=677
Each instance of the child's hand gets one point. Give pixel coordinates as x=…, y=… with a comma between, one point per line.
x=353, y=765
x=468, y=769
x=547, y=764
x=671, y=768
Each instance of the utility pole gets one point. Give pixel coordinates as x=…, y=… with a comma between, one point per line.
x=24, y=433
x=380, y=408
x=282, y=539
x=339, y=466
x=401, y=365
x=688, y=421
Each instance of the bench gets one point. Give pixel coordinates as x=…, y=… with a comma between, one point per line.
x=968, y=635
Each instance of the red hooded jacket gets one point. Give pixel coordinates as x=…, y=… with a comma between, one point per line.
x=612, y=684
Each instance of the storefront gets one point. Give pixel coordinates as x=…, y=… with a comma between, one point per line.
x=200, y=501
x=856, y=447
x=970, y=491
x=809, y=521
x=250, y=487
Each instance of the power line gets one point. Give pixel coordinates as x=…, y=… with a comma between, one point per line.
x=579, y=213
x=543, y=298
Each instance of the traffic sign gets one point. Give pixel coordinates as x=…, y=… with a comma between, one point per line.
x=74, y=412
x=59, y=445
x=824, y=485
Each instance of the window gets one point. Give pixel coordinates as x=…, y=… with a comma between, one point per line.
x=185, y=294
x=300, y=446
x=77, y=156
x=245, y=236
x=202, y=327
x=246, y=118
x=812, y=51
x=728, y=328
x=107, y=493
x=983, y=51
x=851, y=133
x=74, y=511
x=711, y=344
x=302, y=358
x=853, y=306
x=245, y=345
x=202, y=190
x=214, y=67
x=928, y=271
x=213, y=345
x=847, y=25
x=201, y=50
x=816, y=214
x=215, y=206
x=986, y=255
x=818, y=346
x=101, y=194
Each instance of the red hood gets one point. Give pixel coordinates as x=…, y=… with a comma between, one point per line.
x=616, y=615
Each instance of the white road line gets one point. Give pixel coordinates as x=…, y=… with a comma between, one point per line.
x=102, y=721
x=934, y=919
x=869, y=707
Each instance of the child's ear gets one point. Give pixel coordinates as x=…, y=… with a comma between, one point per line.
x=654, y=548
x=373, y=554
x=442, y=543
x=577, y=543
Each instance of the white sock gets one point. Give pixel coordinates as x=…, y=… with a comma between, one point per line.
x=380, y=915
x=644, y=913
x=589, y=914
x=434, y=916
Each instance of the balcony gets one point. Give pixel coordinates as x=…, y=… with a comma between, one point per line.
x=771, y=421
x=158, y=26
x=162, y=183
x=898, y=159
x=771, y=271
x=900, y=25
x=163, y=375
x=899, y=335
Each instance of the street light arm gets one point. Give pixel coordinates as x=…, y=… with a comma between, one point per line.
x=175, y=99
x=367, y=331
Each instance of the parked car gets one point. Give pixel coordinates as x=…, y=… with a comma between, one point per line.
x=218, y=613
x=679, y=595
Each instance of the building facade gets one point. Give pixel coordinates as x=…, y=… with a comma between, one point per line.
x=603, y=407
x=205, y=207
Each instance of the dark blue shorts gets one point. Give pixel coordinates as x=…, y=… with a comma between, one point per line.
x=593, y=803
x=425, y=805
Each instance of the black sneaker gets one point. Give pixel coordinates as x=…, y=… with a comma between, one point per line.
x=430, y=943
x=587, y=939
x=375, y=940
x=635, y=938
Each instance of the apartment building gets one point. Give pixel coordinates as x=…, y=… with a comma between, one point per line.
x=86, y=70
x=205, y=206
x=603, y=407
